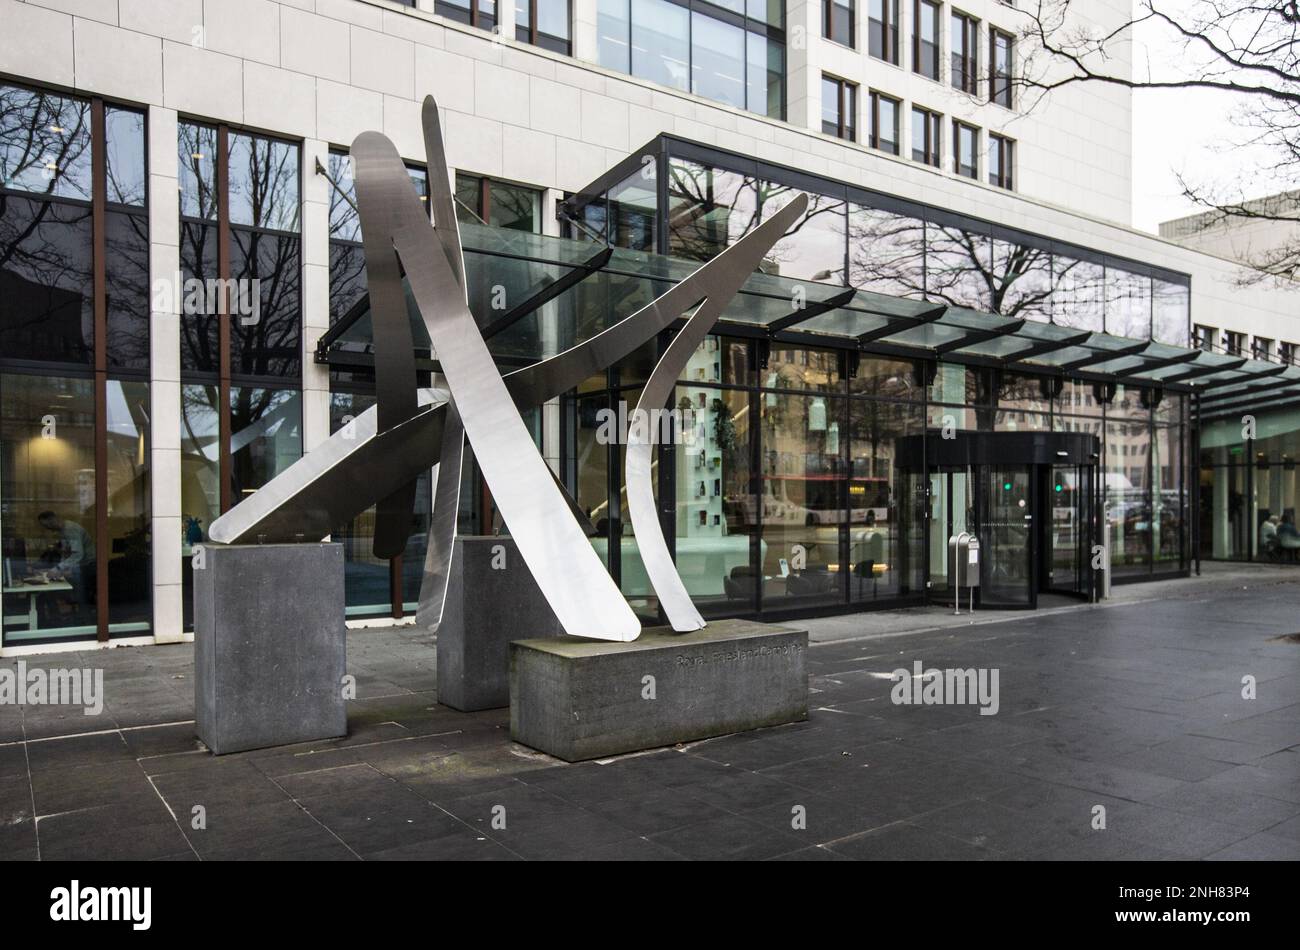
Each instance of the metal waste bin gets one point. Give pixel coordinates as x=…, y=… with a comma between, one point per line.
x=963, y=567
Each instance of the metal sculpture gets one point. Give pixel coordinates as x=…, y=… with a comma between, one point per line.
x=376, y=459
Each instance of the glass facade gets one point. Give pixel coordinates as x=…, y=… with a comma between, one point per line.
x=730, y=51
x=1247, y=486
x=787, y=492
x=75, y=506
x=370, y=583
x=886, y=245
x=790, y=492
x=241, y=321
x=786, y=481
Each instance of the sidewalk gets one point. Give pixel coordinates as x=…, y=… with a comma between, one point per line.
x=1135, y=707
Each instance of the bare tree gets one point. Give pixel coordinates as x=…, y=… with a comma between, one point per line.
x=1250, y=48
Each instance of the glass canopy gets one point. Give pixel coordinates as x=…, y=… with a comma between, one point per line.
x=534, y=295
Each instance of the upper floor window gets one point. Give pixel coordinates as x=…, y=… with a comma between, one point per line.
x=1207, y=338
x=498, y=203
x=1001, y=62
x=926, y=143
x=479, y=13
x=1234, y=343
x=1288, y=352
x=884, y=123
x=1263, y=348
x=925, y=38
x=965, y=149
x=736, y=56
x=839, y=108
x=543, y=23
x=1002, y=160
x=839, y=18
x=964, y=35
x=882, y=30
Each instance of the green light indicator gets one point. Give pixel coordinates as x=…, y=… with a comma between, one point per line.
x=1058, y=487
x=1006, y=486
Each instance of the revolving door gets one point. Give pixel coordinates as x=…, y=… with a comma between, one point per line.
x=1031, y=500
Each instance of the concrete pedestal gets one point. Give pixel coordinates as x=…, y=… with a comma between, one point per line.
x=491, y=600
x=269, y=655
x=585, y=699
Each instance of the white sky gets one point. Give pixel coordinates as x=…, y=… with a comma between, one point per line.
x=1186, y=130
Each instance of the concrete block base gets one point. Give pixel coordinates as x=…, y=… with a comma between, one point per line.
x=269, y=654
x=491, y=599
x=585, y=699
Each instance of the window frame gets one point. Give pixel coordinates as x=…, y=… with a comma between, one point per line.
x=533, y=32
x=828, y=21
x=847, y=107
x=753, y=30
x=932, y=150
x=996, y=96
x=874, y=135
x=917, y=39
x=958, y=126
x=452, y=12
x=967, y=78
x=99, y=371
x=1006, y=151
x=890, y=23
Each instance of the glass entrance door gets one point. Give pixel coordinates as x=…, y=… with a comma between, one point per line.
x=951, y=512
x=1006, y=530
x=1033, y=505
x=1069, y=495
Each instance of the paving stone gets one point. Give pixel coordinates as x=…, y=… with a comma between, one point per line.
x=1133, y=707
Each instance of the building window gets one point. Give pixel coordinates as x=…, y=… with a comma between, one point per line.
x=1001, y=63
x=1288, y=353
x=926, y=143
x=884, y=123
x=882, y=30
x=925, y=38
x=1002, y=160
x=965, y=149
x=479, y=13
x=543, y=23
x=839, y=21
x=731, y=56
x=839, y=108
x=1234, y=343
x=498, y=203
x=1262, y=349
x=75, y=410
x=370, y=584
x=964, y=37
x=1207, y=338
x=241, y=380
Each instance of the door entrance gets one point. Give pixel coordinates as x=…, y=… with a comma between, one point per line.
x=1030, y=499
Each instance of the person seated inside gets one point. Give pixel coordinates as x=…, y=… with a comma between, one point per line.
x=1268, y=543
x=73, y=556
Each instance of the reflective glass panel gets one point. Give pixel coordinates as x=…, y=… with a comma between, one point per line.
x=47, y=499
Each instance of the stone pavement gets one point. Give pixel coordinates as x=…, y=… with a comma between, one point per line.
x=1135, y=706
